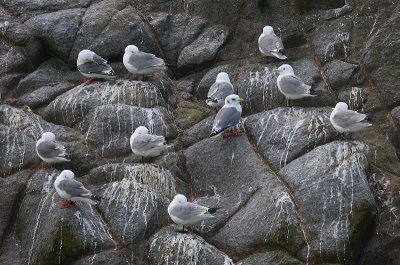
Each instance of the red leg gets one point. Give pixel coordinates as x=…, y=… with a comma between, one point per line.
x=46, y=166
x=236, y=134
x=91, y=80
x=67, y=204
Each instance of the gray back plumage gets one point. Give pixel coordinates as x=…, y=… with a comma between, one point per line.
x=187, y=211
x=226, y=117
x=144, y=60
x=74, y=188
x=348, y=118
x=49, y=149
x=144, y=142
x=219, y=91
x=292, y=84
x=271, y=43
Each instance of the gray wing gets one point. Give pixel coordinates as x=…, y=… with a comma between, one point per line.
x=144, y=60
x=74, y=188
x=226, y=118
x=348, y=118
x=98, y=66
x=271, y=43
x=48, y=149
x=99, y=60
x=147, y=141
x=187, y=211
x=291, y=84
x=219, y=91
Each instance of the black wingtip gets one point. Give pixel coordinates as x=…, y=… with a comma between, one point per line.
x=213, y=210
x=171, y=65
x=97, y=198
x=212, y=134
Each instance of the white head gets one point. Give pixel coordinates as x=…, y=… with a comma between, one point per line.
x=268, y=30
x=141, y=130
x=179, y=198
x=341, y=106
x=285, y=69
x=85, y=56
x=131, y=49
x=233, y=99
x=67, y=174
x=223, y=77
x=48, y=136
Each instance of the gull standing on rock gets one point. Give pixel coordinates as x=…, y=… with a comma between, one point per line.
x=219, y=90
x=91, y=65
x=71, y=190
x=271, y=45
x=49, y=150
x=137, y=62
x=184, y=213
x=227, y=117
x=145, y=144
x=291, y=86
x=347, y=121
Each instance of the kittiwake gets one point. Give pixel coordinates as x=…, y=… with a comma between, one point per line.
x=49, y=150
x=137, y=62
x=219, y=90
x=271, y=45
x=91, y=65
x=145, y=144
x=291, y=86
x=71, y=190
x=184, y=213
x=228, y=116
x=347, y=121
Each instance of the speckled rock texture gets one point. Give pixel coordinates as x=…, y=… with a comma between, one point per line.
x=290, y=189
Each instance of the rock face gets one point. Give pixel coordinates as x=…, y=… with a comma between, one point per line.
x=290, y=190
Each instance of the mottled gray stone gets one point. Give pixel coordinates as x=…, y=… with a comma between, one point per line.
x=107, y=257
x=382, y=58
x=276, y=257
x=109, y=127
x=283, y=134
x=339, y=72
x=50, y=73
x=226, y=172
x=198, y=132
x=175, y=32
x=71, y=107
x=331, y=40
x=17, y=151
x=107, y=28
x=170, y=247
x=12, y=30
x=57, y=30
x=26, y=7
x=335, y=200
x=204, y=48
x=10, y=190
x=135, y=198
x=267, y=218
x=12, y=59
x=44, y=95
x=47, y=234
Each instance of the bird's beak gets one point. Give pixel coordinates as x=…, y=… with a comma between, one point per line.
x=241, y=100
x=275, y=71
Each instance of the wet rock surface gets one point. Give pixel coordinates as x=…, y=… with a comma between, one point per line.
x=291, y=190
